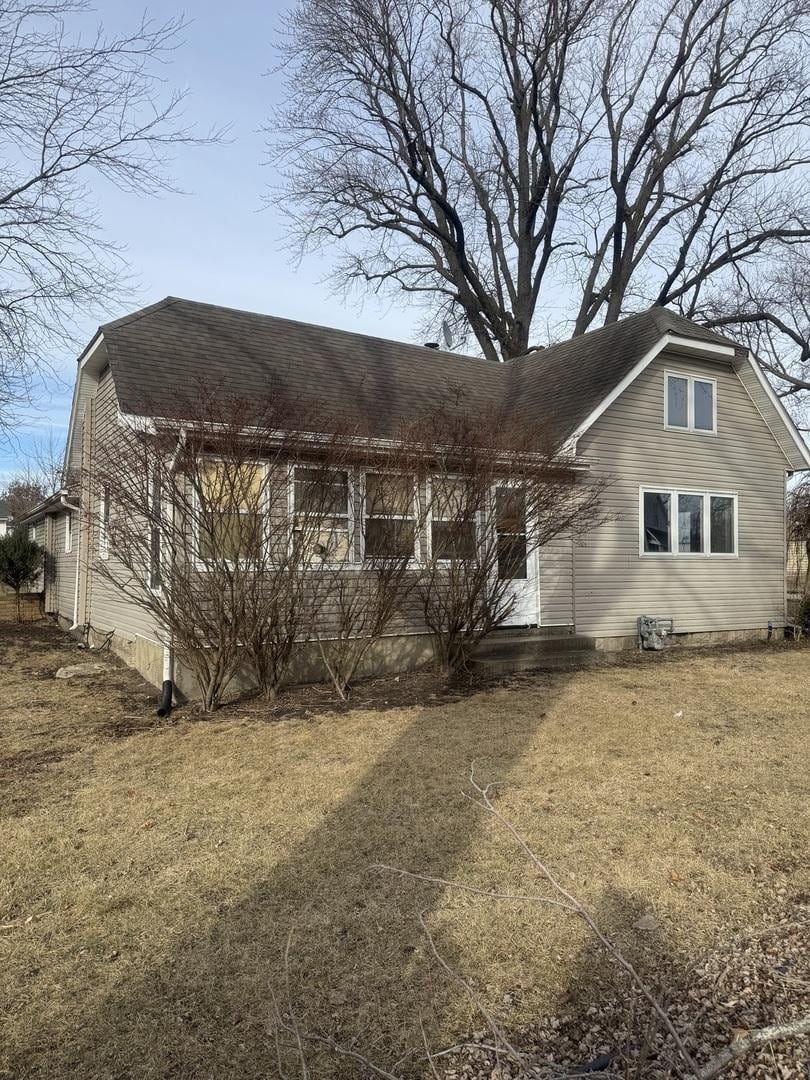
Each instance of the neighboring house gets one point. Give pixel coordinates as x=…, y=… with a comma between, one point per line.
x=5, y=518
x=798, y=567
x=683, y=421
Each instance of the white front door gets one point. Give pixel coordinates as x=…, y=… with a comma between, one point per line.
x=516, y=565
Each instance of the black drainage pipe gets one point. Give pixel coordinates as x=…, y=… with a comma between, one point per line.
x=166, y=695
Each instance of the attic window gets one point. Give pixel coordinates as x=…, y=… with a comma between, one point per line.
x=690, y=403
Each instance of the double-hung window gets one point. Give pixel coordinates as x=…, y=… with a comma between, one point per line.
x=322, y=514
x=389, y=516
x=690, y=403
x=452, y=519
x=231, y=508
x=687, y=522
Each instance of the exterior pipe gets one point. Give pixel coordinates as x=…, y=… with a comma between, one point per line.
x=167, y=692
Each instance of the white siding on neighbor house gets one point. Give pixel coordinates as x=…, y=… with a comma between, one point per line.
x=629, y=444
x=108, y=608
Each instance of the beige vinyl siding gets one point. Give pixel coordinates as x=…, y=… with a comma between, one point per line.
x=85, y=389
x=630, y=446
x=556, y=563
x=770, y=415
x=65, y=566
x=108, y=608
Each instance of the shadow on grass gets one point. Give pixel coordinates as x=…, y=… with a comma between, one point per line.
x=358, y=968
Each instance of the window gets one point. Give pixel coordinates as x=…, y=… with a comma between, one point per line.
x=104, y=525
x=690, y=524
x=722, y=519
x=68, y=533
x=230, y=497
x=656, y=522
x=322, y=513
x=703, y=523
x=691, y=403
x=155, y=525
x=510, y=525
x=452, y=520
x=32, y=533
x=390, y=516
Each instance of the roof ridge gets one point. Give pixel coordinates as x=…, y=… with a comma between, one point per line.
x=295, y=322
x=150, y=309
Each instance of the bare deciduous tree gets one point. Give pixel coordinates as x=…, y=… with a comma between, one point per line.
x=72, y=110
x=483, y=158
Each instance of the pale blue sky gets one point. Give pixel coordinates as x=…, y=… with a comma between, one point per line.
x=215, y=243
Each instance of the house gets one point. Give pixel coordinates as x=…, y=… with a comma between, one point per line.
x=681, y=419
x=5, y=518
x=798, y=567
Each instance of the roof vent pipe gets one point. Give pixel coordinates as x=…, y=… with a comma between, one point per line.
x=431, y=345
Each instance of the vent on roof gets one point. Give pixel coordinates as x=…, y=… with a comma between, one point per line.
x=431, y=345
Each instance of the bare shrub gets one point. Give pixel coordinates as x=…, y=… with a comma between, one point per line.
x=195, y=525
x=497, y=490
x=363, y=585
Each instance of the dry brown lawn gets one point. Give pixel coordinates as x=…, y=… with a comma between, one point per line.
x=152, y=870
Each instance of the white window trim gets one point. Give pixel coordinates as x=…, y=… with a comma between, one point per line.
x=206, y=564
x=478, y=520
x=68, y=532
x=352, y=563
x=103, y=527
x=416, y=559
x=673, y=493
x=690, y=428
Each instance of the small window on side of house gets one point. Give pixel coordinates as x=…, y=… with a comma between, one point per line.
x=452, y=520
x=322, y=514
x=390, y=516
x=656, y=522
x=677, y=402
x=722, y=525
x=690, y=403
x=690, y=524
x=68, y=532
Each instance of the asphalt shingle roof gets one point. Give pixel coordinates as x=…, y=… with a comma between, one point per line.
x=163, y=355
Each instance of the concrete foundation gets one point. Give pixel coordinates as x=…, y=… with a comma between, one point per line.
x=710, y=637
x=389, y=655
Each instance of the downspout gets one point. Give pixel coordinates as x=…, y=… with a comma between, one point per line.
x=167, y=689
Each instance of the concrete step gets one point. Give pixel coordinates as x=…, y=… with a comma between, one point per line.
x=550, y=661
x=517, y=645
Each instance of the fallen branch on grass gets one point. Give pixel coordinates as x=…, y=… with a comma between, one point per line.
x=740, y=1047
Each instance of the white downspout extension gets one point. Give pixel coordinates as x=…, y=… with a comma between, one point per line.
x=168, y=647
